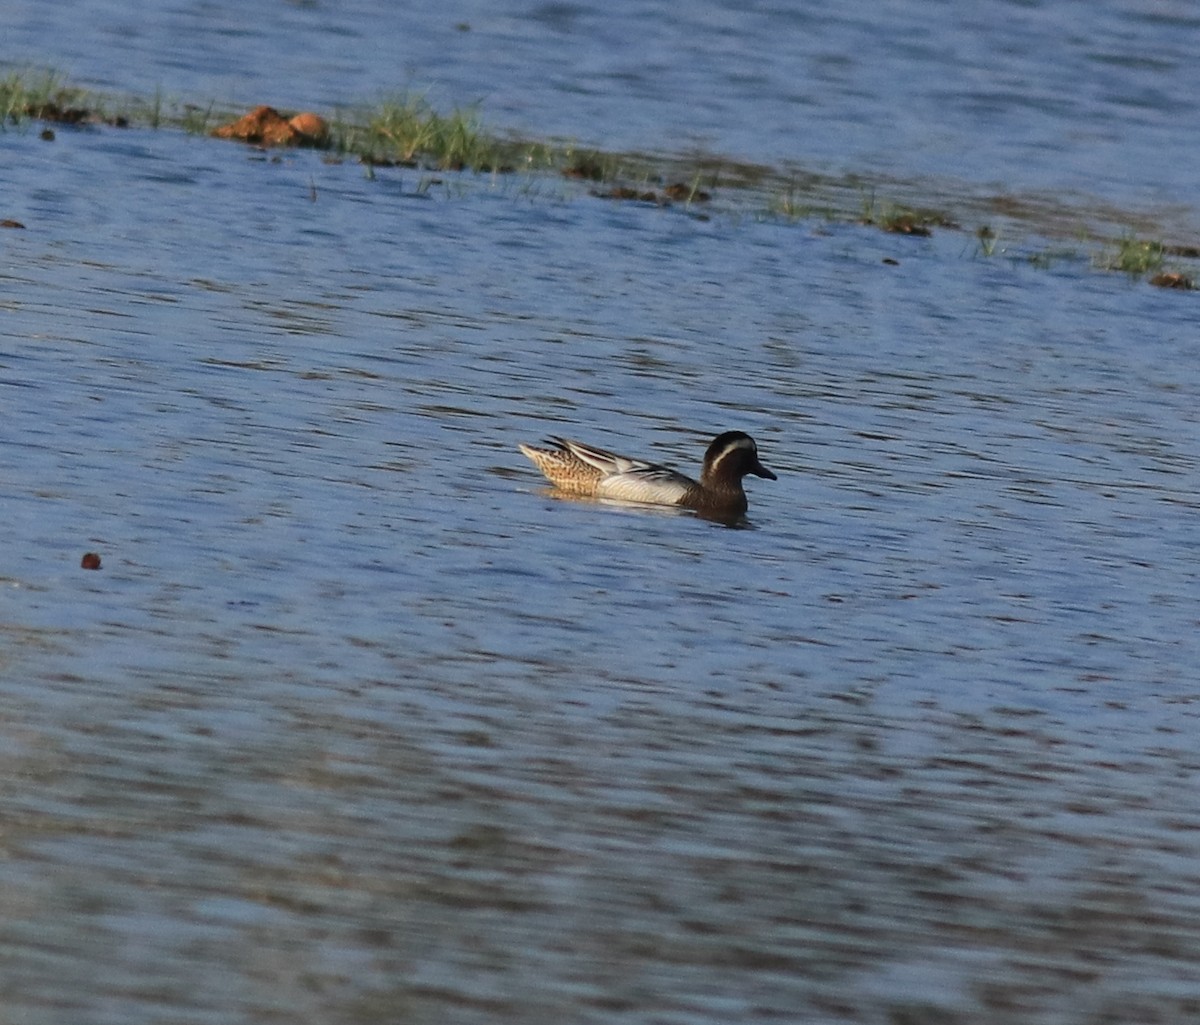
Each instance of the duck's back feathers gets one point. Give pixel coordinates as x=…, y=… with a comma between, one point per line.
x=585, y=469
x=563, y=468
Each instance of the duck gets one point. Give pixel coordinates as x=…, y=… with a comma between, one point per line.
x=580, y=469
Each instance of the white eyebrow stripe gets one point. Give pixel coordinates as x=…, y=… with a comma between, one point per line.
x=746, y=444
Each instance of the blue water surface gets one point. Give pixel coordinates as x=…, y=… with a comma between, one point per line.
x=359, y=722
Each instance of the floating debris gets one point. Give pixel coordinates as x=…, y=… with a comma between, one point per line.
x=686, y=193
x=1173, y=279
x=90, y=561
x=587, y=169
x=625, y=192
x=906, y=224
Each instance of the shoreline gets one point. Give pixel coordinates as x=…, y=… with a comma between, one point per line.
x=409, y=132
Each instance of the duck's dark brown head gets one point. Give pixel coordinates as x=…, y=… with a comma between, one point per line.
x=729, y=458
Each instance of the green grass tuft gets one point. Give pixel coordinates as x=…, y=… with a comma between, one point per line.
x=25, y=96
x=408, y=130
x=1135, y=257
x=789, y=206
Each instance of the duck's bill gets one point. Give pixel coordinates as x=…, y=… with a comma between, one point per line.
x=761, y=471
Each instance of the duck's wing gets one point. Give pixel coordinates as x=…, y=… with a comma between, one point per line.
x=599, y=458
x=630, y=480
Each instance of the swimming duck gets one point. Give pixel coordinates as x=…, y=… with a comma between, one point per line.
x=583, y=470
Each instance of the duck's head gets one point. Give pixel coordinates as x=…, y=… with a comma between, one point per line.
x=729, y=458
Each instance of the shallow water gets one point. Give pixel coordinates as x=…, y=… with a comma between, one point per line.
x=357, y=723
x=1058, y=97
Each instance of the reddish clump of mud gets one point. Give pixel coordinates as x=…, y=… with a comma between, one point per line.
x=265, y=126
